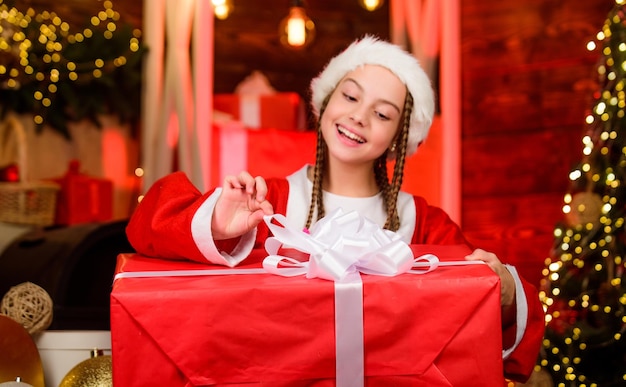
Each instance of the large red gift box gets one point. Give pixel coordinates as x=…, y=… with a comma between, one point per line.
x=437, y=329
x=282, y=111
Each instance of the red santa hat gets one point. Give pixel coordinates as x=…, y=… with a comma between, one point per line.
x=371, y=50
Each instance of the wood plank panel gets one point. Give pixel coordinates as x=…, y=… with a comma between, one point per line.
x=248, y=40
x=527, y=84
x=533, y=99
x=518, y=229
x=519, y=163
x=502, y=34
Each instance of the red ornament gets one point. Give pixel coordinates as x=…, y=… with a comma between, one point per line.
x=10, y=173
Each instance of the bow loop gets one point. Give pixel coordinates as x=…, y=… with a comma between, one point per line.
x=338, y=245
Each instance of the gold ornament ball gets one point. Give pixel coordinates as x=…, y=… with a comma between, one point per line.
x=586, y=207
x=94, y=372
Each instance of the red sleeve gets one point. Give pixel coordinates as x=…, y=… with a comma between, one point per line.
x=519, y=365
x=434, y=227
x=161, y=224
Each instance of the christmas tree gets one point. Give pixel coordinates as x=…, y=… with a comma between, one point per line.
x=584, y=290
x=61, y=73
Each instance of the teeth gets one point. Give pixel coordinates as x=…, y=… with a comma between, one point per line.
x=351, y=135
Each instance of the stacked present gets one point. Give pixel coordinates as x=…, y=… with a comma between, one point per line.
x=264, y=152
x=256, y=104
x=259, y=124
x=281, y=111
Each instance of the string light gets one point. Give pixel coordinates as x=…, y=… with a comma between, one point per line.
x=582, y=291
x=46, y=64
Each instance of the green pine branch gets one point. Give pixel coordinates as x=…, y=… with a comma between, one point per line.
x=64, y=76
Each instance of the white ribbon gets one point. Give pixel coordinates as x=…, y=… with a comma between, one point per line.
x=250, y=110
x=342, y=245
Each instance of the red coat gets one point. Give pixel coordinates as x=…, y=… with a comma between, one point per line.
x=161, y=227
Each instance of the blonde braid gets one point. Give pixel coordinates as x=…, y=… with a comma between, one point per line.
x=391, y=193
x=380, y=173
x=317, y=195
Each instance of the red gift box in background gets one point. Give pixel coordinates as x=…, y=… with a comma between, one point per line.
x=264, y=152
x=82, y=198
x=437, y=329
x=283, y=111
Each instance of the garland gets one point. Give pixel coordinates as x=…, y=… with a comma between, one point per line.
x=60, y=76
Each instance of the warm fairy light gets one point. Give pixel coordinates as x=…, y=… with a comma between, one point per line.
x=567, y=198
x=588, y=247
x=39, y=43
x=567, y=209
x=555, y=266
x=575, y=175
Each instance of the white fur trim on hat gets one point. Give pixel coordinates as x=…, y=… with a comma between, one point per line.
x=373, y=51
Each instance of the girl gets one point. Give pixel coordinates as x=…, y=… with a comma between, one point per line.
x=373, y=103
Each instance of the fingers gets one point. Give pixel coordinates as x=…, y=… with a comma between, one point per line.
x=482, y=255
x=260, y=187
x=256, y=187
x=265, y=208
x=489, y=258
x=507, y=281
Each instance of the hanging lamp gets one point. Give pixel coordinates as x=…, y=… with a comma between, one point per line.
x=371, y=5
x=222, y=8
x=296, y=30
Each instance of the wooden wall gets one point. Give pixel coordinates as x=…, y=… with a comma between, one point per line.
x=239, y=50
x=527, y=82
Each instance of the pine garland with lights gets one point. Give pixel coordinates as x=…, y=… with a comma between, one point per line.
x=583, y=289
x=60, y=76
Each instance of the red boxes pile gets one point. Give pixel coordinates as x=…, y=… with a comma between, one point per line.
x=282, y=111
x=82, y=198
x=437, y=329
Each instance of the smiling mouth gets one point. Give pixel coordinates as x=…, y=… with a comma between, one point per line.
x=350, y=135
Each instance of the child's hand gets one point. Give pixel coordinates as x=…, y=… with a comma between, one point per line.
x=507, y=283
x=240, y=207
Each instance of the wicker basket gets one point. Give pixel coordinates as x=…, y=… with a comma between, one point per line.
x=30, y=203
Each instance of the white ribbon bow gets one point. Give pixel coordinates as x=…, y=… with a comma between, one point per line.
x=338, y=245
x=342, y=245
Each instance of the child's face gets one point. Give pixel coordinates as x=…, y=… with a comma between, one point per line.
x=363, y=114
